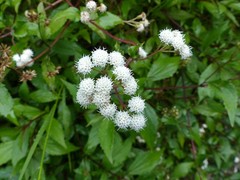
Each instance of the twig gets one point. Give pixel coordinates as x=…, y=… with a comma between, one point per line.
x=119, y=98
x=5, y=35
x=69, y=3
x=176, y=87
x=53, y=4
x=112, y=36
x=50, y=46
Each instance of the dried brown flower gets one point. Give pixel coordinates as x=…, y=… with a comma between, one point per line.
x=28, y=75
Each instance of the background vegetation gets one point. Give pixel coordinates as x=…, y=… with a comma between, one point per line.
x=192, y=108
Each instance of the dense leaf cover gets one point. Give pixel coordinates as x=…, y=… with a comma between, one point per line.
x=191, y=106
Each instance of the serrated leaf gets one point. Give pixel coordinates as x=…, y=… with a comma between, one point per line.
x=163, y=67
x=6, y=101
x=144, y=163
x=43, y=96
x=106, y=137
x=182, y=169
x=209, y=74
x=6, y=152
x=27, y=111
x=61, y=17
x=229, y=96
x=93, y=139
x=109, y=20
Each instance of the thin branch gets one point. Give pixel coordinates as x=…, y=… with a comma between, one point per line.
x=112, y=36
x=5, y=35
x=69, y=3
x=176, y=87
x=50, y=46
x=119, y=98
x=53, y=4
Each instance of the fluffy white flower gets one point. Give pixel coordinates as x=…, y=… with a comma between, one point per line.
x=84, y=65
x=122, y=119
x=104, y=85
x=28, y=52
x=102, y=8
x=205, y=164
x=178, y=40
x=16, y=57
x=85, y=17
x=91, y=5
x=130, y=86
x=122, y=73
x=140, y=27
x=136, y=104
x=82, y=99
x=185, y=52
x=236, y=160
x=116, y=59
x=108, y=111
x=138, y=122
x=166, y=36
x=86, y=86
x=142, y=53
x=25, y=59
x=100, y=99
x=100, y=57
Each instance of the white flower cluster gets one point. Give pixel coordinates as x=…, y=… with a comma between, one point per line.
x=176, y=39
x=98, y=91
x=91, y=6
x=23, y=59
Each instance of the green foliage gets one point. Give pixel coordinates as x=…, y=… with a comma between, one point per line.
x=192, y=106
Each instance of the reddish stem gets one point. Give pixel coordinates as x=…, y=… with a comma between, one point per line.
x=50, y=46
x=53, y=4
x=112, y=36
x=5, y=35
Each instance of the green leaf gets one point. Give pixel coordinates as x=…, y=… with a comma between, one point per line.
x=181, y=170
x=72, y=88
x=106, y=137
x=6, y=102
x=209, y=74
x=229, y=95
x=16, y=4
x=27, y=111
x=144, y=163
x=48, y=67
x=61, y=17
x=150, y=131
x=93, y=138
x=56, y=133
x=43, y=96
x=163, y=67
x=109, y=20
x=6, y=152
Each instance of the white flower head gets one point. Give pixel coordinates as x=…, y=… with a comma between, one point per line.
x=82, y=99
x=178, y=40
x=122, y=73
x=25, y=59
x=101, y=100
x=91, y=5
x=166, y=36
x=142, y=53
x=28, y=52
x=102, y=8
x=100, y=57
x=122, y=119
x=85, y=17
x=116, y=59
x=84, y=65
x=140, y=27
x=86, y=86
x=236, y=160
x=138, y=122
x=104, y=85
x=108, y=111
x=130, y=86
x=205, y=164
x=185, y=51
x=16, y=57
x=136, y=104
